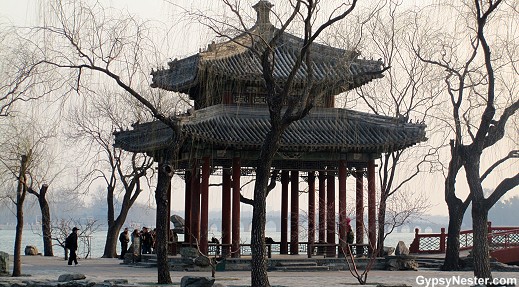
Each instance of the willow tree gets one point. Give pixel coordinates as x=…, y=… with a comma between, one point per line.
x=90, y=44
x=407, y=92
x=124, y=174
x=481, y=82
x=23, y=165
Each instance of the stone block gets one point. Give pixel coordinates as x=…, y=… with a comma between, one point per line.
x=202, y=261
x=388, y=251
x=196, y=281
x=401, y=263
x=31, y=250
x=401, y=249
x=189, y=252
x=71, y=277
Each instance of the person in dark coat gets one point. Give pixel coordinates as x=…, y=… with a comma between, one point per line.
x=146, y=241
x=71, y=244
x=124, y=238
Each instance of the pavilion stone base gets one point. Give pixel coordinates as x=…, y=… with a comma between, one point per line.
x=296, y=264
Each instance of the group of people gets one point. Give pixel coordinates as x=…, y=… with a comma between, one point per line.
x=146, y=240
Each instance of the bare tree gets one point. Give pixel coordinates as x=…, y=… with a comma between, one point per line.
x=46, y=228
x=61, y=228
x=24, y=78
x=21, y=192
x=122, y=50
x=24, y=147
x=123, y=173
x=481, y=81
x=407, y=93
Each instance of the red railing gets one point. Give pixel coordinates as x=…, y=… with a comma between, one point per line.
x=498, y=237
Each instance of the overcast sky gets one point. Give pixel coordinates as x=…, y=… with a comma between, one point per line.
x=187, y=41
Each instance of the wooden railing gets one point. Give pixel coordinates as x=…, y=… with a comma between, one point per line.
x=498, y=237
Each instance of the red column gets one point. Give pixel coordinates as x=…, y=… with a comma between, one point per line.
x=330, y=220
x=443, y=236
x=342, y=205
x=195, y=206
x=283, y=249
x=236, y=173
x=322, y=206
x=372, y=237
x=359, y=209
x=187, y=207
x=311, y=211
x=226, y=211
x=204, y=212
x=294, y=213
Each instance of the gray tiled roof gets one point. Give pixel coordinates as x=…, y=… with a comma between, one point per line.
x=245, y=127
x=339, y=68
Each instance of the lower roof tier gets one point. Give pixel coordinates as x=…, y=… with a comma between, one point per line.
x=243, y=128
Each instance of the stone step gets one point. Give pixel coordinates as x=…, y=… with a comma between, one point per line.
x=147, y=264
x=302, y=268
x=297, y=263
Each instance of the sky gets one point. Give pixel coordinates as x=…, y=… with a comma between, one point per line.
x=187, y=40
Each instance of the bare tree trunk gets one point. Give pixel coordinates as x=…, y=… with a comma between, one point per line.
x=480, y=251
x=165, y=173
x=457, y=209
x=452, y=254
x=259, y=276
x=20, y=198
x=111, y=241
x=111, y=234
x=45, y=221
x=381, y=223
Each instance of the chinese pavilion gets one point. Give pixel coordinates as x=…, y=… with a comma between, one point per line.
x=225, y=130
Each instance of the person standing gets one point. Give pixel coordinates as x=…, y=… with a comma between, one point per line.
x=124, y=238
x=146, y=241
x=71, y=244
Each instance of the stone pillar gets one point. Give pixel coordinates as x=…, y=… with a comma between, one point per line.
x=187, y=206
x=195, y=205
x=342, y=206
x=359, y=209
x=330, y=219
x=283, y=249
x=204, y=208
x=372, y=216
x=311, y=211
x=236, y=173
x=294, y=213
x=226, y=211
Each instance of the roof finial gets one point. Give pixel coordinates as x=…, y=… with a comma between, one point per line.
x=263, y=8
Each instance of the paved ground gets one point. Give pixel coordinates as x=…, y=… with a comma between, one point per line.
x=49, y=268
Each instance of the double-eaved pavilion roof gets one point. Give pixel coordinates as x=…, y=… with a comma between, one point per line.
x=222, y=127
x=242, y=128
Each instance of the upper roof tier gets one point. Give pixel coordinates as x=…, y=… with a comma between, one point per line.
x=237, y=61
